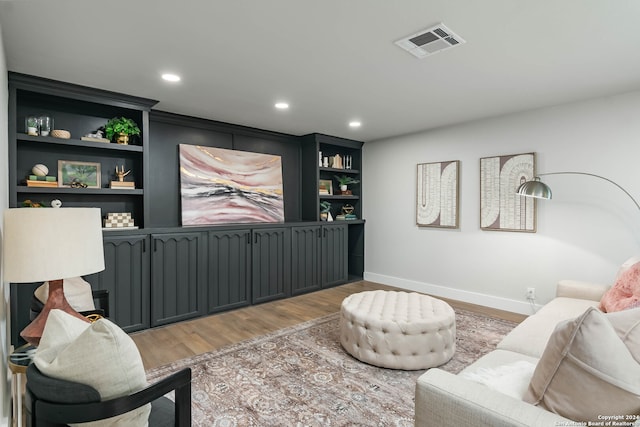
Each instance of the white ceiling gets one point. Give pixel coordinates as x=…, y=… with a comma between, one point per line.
x=332, y=60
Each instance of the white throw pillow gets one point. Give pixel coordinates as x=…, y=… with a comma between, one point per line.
x=511, y=379
x=77, y=291
x=587, y=370
x=100, y=355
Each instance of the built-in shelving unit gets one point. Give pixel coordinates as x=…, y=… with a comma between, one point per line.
x=315, y=148
x=80, y=111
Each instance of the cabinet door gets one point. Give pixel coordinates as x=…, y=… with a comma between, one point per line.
x=305, y=259
x=126, y=278
x=229, y=278
x=178, y=274
x=271, y=261
x=334, y=255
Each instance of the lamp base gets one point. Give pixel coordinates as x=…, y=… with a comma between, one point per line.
x=56, y=300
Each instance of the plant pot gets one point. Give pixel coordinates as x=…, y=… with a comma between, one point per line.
x=343, y=188
x=121, y=138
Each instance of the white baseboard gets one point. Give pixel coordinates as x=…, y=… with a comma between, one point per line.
x=492, y=301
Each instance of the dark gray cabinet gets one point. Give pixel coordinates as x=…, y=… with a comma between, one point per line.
x=319, y=257
x=271, y=263
x=334, y=255
x=229, y=269
x=126, y=278
x=178, y=277
x=305, y=259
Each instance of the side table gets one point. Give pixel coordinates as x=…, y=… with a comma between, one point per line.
x=19, y=360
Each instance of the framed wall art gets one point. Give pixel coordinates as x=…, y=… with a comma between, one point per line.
x=501, y=208
x=219, y=186
x=325, y=186
x=78, y=174
x=437, y=199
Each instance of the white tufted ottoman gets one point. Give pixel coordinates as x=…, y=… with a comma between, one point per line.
x=398, y=330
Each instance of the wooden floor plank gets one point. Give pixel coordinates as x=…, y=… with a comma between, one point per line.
x=166, y=344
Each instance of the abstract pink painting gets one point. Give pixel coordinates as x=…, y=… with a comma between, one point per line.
x=220, y=186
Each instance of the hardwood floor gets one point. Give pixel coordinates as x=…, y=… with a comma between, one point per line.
x=167, y=344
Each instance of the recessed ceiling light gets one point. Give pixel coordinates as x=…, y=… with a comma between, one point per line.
x=355, y=124
x=171, y=77
x=282, y=105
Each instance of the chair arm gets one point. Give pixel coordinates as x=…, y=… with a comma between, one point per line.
x=444, y=399
x=85, y=412
x=580, y=290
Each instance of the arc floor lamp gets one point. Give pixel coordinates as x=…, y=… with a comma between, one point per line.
x=539, y=190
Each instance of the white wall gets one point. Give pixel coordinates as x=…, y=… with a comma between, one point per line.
x=580, y=235
x=4, y=203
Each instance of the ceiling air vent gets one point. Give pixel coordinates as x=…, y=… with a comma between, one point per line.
x=430, y=41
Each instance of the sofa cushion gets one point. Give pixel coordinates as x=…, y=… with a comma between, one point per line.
x=585, y=371
x=625, y=292
x=511, y=379
x=530, y=337
x=100, y=355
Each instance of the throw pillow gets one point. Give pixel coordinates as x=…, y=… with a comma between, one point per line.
x=100, y=355
x=586, y=370
x=626, y=323
x=628, y=263
x=625, y=292
x=77, y=291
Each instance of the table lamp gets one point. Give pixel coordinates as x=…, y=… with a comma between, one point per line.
x=539, y=190
x=51, y=244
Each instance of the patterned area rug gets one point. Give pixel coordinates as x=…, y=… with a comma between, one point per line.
x=301, y=376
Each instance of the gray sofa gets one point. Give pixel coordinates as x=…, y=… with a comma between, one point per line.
x=445, y=399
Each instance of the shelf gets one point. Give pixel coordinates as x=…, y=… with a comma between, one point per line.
x=338, y=197
x=82, y=191
x=353, y=171
x=79, y=143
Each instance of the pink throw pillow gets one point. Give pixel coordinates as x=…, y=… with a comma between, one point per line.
x=625, y=292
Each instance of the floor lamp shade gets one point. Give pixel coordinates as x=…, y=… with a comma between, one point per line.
x=42, y=244
x=51, y=244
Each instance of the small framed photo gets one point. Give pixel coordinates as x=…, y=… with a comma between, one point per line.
x=325, y=186
x=78, y=174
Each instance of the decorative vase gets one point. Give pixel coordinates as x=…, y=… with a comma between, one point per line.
x=122, y=138
x=46, y=124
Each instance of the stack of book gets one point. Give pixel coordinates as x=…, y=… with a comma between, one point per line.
x=123, y=185
x=94, y=139
x=41, y=181
x=346, y=217
x=119, y=220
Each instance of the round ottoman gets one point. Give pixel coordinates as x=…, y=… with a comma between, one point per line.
x=398, y=330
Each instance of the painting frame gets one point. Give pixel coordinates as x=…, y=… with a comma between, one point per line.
x=325, y=183
x=501, y=208
x=88, y=173
x=438, y=194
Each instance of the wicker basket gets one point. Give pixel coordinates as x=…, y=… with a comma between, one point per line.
x=59, y=133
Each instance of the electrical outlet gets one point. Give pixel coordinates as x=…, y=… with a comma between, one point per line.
x=531, y=293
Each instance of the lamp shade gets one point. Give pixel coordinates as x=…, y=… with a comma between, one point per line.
x=42, y=244
x=535, y=188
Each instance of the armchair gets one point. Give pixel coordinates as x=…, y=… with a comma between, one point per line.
x=51, y=402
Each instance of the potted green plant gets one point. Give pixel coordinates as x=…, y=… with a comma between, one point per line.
x=121, y=128
x=31, y=125
x=345, y=180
